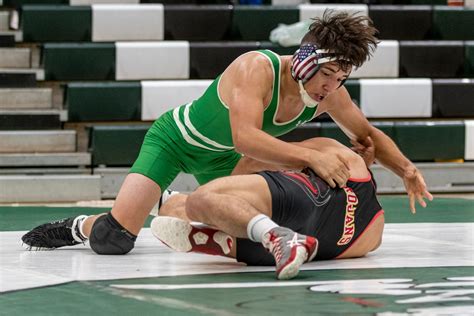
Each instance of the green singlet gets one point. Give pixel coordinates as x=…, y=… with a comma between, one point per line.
x=196, y=138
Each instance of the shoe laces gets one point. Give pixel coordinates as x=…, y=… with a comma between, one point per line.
x=59, y=231
x=275, y=246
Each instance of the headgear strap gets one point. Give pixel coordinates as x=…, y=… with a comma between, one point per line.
x=307, y=60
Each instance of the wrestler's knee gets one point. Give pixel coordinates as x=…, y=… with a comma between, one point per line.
x=108, y=237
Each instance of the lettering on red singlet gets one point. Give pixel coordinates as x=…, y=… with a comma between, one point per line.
x=349, y=224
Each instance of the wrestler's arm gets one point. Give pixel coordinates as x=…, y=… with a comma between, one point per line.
x=244, y=88
x=356, y=126
x=248, y=165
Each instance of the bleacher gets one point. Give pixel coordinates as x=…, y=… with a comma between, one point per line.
x=82, y=80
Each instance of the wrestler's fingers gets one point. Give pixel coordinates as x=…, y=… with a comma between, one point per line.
x=340, y=181
x=346, y=164
x=358, y=149
x=355, y=143
x=344, y=175
x=421, y=201
x=341, y=177
x=428, y=195
x=329, y=181
x=412, y=202
x=369, y=142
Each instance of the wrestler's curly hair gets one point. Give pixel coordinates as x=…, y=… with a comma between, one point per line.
x=352, y=37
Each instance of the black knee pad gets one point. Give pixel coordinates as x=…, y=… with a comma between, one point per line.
x=108, y=237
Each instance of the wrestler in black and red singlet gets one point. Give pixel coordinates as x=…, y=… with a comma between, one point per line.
x=306, y=204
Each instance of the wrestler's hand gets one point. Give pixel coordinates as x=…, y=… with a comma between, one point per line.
x=416, y=188
x=365, y=149
x=332, y=168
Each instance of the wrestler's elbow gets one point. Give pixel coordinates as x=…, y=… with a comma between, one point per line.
x=241, y=143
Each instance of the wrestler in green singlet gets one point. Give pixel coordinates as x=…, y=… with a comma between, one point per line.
x=196, y=138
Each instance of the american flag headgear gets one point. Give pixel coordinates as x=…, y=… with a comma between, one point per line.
x=307, y=60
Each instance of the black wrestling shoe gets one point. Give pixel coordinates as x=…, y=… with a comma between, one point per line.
x=64, y=232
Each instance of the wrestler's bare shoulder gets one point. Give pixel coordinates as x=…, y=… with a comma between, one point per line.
x=253, y=61
x=249, y=70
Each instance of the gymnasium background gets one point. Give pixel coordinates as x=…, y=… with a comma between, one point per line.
x=82, y=80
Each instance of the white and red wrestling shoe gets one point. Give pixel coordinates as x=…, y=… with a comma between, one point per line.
x=183, y=236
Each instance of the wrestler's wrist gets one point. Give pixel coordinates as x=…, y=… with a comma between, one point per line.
x=307, y=155
x=409, y=170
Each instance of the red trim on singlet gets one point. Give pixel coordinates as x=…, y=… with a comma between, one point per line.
x=366, y=179
x=379, y=213
x=304, y=180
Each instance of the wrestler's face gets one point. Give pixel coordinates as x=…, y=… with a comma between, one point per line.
x=325, y=81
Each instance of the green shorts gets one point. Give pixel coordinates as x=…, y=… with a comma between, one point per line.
x=164, y=153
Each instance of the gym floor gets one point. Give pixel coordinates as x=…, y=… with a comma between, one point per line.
x=425, y=266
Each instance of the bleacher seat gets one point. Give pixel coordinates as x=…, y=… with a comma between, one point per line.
x=13, y=57
x=105, y=101
x=152, y=60
x=37, y=141
x=17, y=80
x=419, y=140
x=161, y=96
x=434, y=59
x=377, y=98
x=116, y=145
x=7, y=40
x=128, y=101
x=392, y=98
x=469, y=140
x=142, y=22
x=453, y=98
x=469, y=59
x=453, y=23
x=17, y=3
x=41, y=23
x=98, y=23
x=384, y=63
x=198, y=23
x=29, y=120
x=253, y=23
x=26, y=98
x=116, y=61
x=428, y=140
x=14, y=3
x=208, y=60
x=402, y=22
x=76, y=61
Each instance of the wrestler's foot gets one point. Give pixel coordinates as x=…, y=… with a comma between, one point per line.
x=64, y=232
x=165, y=196
x=183, y=236
x=290, y=250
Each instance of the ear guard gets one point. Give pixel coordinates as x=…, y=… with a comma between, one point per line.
x=307, y=61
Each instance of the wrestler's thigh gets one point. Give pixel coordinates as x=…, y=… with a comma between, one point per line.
x=252, y=188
